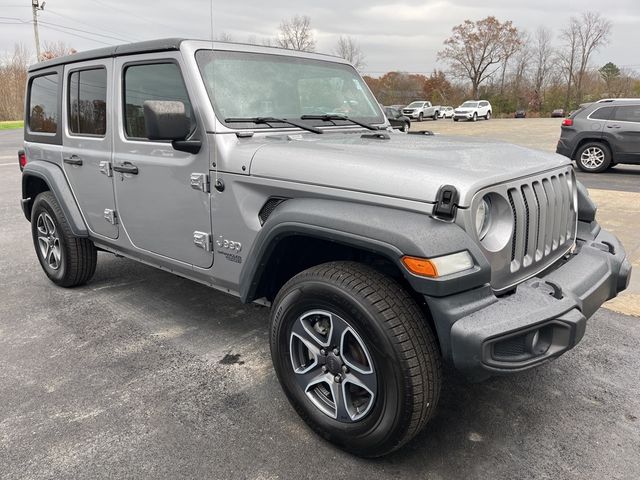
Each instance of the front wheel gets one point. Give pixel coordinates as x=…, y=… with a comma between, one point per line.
x=355, y=357
x=405, y=128
x=475, y=117
x=593, y=157
x=66, y=259
x=420, y=117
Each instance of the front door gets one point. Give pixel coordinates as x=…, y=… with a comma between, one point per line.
x=157, y=207
x=87, y=142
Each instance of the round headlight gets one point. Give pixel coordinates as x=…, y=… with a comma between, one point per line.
x=483, y=217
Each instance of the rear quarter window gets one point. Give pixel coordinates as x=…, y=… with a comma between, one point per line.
x=44, y=97
x=602, y=113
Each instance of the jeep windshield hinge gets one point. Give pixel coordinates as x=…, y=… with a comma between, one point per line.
x=446, y=202
x=203, y=240
x=200, y=181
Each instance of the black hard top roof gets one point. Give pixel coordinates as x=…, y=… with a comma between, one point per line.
x=161, y=45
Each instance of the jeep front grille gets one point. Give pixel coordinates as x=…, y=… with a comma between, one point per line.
x=544, y=225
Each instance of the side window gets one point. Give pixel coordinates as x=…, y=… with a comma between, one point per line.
x=43, y=104
x=158, y=81
x=627, y=113
x=602, y=113
x=88, y=102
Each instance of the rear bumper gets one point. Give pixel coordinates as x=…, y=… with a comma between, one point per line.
x=483, y=335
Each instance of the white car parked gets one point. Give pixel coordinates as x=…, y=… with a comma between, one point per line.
x=446, y=112
x=472, y=110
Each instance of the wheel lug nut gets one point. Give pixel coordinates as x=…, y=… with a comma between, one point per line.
x=336, y=351
x=337, y=378
x=324, y=369
x=345, y=369
x=323, y=352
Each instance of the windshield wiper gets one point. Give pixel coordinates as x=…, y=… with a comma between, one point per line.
x=331, y=117
x=268, y=120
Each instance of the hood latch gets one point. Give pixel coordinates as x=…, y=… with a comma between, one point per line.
x=446, y=202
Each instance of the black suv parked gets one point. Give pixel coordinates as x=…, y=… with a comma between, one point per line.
x=601, y=134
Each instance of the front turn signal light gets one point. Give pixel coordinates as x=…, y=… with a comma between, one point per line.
x=420, y=266
x=439, y=266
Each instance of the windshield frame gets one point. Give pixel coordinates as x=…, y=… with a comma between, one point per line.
x=379, y=119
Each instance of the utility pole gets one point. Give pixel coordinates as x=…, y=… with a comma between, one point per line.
x=35, y=7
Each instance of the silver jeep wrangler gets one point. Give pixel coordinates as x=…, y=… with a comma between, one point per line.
x=273, y=175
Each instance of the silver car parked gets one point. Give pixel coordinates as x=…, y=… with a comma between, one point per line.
x=272, y=175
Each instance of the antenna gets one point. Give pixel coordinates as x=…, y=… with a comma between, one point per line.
x=213, y=88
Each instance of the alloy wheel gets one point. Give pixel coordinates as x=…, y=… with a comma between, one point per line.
x=332, y=365
x=48, y=241
x=592, y=158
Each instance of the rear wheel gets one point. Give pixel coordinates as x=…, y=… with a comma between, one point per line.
x=488, y=115
x=355, y=357
x=593, y=157
x=436, y=115
x=66, y=259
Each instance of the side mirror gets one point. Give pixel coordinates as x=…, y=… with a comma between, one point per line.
x=167, y=120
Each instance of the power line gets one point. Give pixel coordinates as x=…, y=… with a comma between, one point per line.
x=84, y=31
x=77, y=35
x=130, y=38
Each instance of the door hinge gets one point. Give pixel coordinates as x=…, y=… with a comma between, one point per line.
x=203, y=240
x=105, y=168
x=110, y=216
x=200, y=181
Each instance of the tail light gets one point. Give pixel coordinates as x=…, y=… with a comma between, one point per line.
x=22, y=159
x=567, y=122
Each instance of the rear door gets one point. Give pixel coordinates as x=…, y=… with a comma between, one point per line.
x=624, y=126
x=87, y=142
x=158, y=208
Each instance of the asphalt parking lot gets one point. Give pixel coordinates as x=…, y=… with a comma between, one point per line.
x=143, y=374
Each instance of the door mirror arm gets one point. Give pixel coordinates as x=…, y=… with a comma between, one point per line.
x=189, y=146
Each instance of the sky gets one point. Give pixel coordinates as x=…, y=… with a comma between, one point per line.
x=394, y=35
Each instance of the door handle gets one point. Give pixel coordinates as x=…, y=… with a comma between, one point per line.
x=613, y=126
x=72, y=160
x=126, y=167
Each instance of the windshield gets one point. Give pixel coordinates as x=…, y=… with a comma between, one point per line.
x=469, y=105
x=250, y=85
x=415, y=105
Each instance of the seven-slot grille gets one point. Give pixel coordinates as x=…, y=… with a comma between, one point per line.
x=544, y=218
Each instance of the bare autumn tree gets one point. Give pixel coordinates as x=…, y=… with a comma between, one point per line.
x=582, y=37
x=349, y=49
x=593, y=33
x=295, y=33
x=476, y=50
x=542, y=63
x=56, y=49
x=13, y=78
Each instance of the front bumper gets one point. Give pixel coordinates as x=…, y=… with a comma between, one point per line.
x=463, y=116
x=484, y=335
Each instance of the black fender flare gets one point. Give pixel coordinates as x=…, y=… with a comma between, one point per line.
x=386, y=231
x=53, y=176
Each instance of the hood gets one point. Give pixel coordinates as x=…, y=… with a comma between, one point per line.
x=465, y=109
x=412, y=167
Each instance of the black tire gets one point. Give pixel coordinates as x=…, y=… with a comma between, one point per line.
x=405, y=358
x=598, y=149
x=455, y=119
x=406, y=127
x=435, y=116
x=76, y=257
x=475, y=117
x=488, y=115
x=420, y=117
